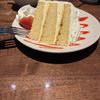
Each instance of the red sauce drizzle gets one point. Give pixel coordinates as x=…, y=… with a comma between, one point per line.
x=43, y=45
x=83, y=25
x=82, y=18
x=29, y=41
x=80, y=38
x=74, y=44
x=50, y=47
x=84, y=32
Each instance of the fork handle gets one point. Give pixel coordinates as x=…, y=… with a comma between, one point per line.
x=3, y=30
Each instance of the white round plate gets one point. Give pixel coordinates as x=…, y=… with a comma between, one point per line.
x=94, y=33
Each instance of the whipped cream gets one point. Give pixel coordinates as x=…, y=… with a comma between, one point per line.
x=25, y=11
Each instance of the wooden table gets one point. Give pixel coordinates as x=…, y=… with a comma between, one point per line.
x=27, y=74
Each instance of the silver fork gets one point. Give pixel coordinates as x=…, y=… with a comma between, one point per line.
x=13, y=30
x=8, y=43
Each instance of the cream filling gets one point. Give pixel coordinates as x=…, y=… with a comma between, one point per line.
x=60, y=9
x=45, y=10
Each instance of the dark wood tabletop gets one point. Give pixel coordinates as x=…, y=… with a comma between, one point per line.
x=27, y=74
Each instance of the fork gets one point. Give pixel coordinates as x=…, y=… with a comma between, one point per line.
x=13, y=30
x=8, y=43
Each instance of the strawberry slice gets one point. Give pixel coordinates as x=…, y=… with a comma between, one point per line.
x=26, y=22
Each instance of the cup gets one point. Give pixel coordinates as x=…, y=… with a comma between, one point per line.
x=21, y=3
x=91, y=1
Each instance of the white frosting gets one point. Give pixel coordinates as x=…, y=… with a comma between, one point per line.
x=74, y=25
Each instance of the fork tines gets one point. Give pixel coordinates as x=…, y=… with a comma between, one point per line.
x=19, y=31
x=13, y=30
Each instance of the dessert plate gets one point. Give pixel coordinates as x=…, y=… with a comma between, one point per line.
x=90, y=33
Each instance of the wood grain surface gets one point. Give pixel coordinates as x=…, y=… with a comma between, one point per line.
x=27, y=74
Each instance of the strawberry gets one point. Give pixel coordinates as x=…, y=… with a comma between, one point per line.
x=26, y=22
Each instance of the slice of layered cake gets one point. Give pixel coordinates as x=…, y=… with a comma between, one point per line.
x=55, y=23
